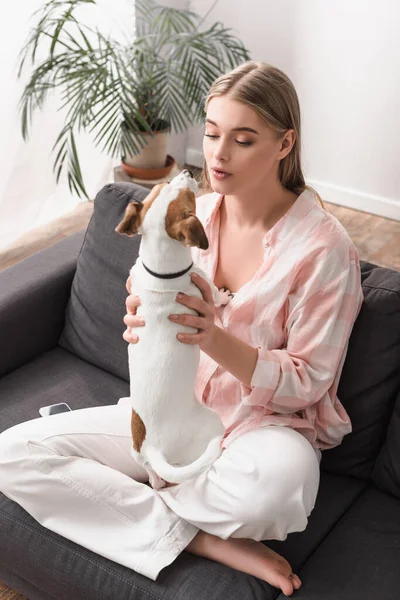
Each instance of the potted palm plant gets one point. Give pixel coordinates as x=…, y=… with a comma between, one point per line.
x=123, y=93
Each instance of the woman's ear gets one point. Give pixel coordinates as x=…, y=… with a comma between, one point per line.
x=287, y=143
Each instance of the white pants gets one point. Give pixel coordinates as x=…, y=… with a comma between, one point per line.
x=74, y=473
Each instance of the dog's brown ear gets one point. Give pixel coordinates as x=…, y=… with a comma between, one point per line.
x=191, y=231
x=132, y=219
x=181, y=222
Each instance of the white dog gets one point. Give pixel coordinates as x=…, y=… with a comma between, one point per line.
x=174, y=436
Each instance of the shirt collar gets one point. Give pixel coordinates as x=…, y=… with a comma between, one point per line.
x=300, y=208
x=213, y=212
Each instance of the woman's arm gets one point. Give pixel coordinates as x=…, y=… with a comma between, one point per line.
x=322, y=307
x=227, y=350
x=232, y=354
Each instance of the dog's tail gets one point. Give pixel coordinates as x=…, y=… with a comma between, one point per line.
x=175, y=474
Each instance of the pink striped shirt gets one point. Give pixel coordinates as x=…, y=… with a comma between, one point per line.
x=298, y=310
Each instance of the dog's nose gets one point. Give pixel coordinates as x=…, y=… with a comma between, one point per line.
x=187, y=172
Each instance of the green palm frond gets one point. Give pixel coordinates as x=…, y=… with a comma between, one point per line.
x=118, y=92
x=154, y=19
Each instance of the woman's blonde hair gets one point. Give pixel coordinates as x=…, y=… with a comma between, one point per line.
x=272, y=95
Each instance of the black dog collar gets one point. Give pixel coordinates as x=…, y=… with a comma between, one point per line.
x=168, y=275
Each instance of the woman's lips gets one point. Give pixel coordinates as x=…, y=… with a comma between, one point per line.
x=218, y=174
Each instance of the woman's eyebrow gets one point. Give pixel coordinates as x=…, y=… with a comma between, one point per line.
x=236, y=128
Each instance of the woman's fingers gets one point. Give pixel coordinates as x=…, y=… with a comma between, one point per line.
x=197, y=304
x=133, y=321
x=131, y=303
x=188, y=320
x=130, y=337
x=129, y=285
x=204, y=287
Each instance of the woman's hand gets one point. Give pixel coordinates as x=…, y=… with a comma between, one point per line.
x=130, y=319
x=204, y=321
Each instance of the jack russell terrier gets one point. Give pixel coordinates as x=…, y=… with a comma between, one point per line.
x=174, y=436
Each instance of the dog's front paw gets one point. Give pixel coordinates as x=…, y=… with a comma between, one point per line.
x=224, y=296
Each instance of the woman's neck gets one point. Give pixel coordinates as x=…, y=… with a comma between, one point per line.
x=262, y=209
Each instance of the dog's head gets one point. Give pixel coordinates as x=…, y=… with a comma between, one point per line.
x=169, y=209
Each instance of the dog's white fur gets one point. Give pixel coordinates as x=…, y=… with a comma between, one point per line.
x=183, y=437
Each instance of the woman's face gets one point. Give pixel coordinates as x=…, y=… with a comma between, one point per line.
x=241, y=151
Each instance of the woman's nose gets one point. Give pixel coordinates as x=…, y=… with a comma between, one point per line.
x=221, y=150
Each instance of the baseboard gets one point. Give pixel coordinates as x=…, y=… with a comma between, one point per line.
x=376, y=205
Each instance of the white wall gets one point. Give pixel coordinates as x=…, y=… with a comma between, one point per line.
x=29, y=195
x=344, y=59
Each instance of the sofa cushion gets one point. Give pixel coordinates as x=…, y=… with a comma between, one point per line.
x=65, y=570
x=335, y=495
x=56, y=376
x=94, y=320
x=360, y=557
x=386, y=473
x=371, y=374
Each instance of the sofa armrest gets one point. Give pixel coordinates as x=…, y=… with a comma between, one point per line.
x=33, y=297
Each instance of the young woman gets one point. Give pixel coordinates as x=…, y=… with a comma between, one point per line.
x=270, y=366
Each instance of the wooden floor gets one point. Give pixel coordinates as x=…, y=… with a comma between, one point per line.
x=377, y=240
x=7, y=593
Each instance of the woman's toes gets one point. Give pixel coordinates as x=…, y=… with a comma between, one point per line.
x=290, y=584
x=286, y=585
x=296, y=582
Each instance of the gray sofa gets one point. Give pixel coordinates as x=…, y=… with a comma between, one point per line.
x=61, y=330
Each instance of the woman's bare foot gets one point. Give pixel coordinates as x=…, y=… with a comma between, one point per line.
x=248, y=556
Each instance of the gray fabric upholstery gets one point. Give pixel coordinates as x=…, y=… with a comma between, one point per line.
x=55, y=376
x=74, y=572
x=386, y=473
x=360, y=558
x=371, y=374
x=335, y=495
x=33, y=297
x=94, y=325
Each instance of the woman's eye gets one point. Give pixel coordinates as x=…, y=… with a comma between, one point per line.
x=215, y=137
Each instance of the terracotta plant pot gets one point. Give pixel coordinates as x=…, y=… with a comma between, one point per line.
x=153, y=155
x=142, y=173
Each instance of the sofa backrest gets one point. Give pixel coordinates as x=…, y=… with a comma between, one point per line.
x=371, y=373
x=94, y=326
x=386, y=473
